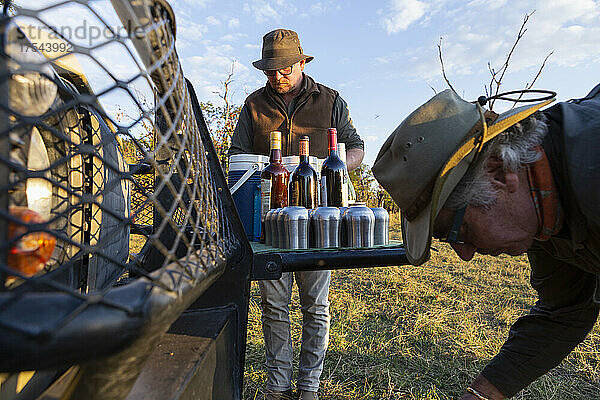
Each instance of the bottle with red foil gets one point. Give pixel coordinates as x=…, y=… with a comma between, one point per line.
x=333, y=177
x=303, y=183
x=273, y=181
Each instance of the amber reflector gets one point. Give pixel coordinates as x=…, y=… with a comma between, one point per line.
x=29, y=255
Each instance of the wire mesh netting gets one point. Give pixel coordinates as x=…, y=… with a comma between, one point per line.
x=109, y=212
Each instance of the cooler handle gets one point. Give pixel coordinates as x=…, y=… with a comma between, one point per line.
x=244, y=178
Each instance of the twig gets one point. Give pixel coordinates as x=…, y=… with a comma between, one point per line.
x=530, y=85
x=442, y=63
x=488, y=93
x=504, y=67
x=331, y=374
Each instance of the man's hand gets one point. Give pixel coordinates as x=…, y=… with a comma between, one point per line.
x=354, y=157
x=485, y=388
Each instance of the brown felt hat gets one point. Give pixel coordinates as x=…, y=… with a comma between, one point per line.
x=424, y=159
x=281, y=48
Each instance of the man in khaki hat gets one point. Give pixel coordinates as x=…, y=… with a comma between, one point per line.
x=294, y=104
x=522, y=181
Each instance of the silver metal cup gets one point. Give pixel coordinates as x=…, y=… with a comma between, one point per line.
x=360, y=224
x=268, y=228
x=326, y=225
x=311, y=229
x=275, y=227
x=381, y=234
x=343, y=228
x=295, y=225
x=281, y=233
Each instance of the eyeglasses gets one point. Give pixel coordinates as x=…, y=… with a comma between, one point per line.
x=452, y=235
x=283, y=71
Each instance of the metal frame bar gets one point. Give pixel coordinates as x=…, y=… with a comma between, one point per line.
x=270, y=265
x=233, y=287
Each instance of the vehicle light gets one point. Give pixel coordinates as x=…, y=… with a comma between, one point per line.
x=39, y=190
x=31, y=93
x=31, y=89
x=31, y=252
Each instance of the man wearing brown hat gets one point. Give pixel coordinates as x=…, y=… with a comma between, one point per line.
x=522, y=181
x=294, y=104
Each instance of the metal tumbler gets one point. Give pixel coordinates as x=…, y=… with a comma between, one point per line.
x=311, y=229
x=295, y=224
x=360, y=224
x=343, y=228
x=326, y=223
x=382, y=226
x=281, y=233
x=275, y=227
x=268, y=228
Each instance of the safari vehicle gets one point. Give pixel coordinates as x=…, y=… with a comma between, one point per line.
x=124, y=268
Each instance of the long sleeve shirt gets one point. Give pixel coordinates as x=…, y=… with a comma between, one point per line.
x=565, y=270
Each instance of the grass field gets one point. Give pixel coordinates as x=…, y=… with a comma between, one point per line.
x=424, y=332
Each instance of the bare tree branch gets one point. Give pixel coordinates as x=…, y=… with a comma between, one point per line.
x=530, y=85
x=488, y=92
x=226, y=117
x=442, y=64
x=498, y=80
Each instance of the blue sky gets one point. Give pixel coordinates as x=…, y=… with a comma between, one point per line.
x=382, y=55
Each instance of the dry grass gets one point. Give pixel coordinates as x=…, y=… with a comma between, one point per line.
x=424, y=332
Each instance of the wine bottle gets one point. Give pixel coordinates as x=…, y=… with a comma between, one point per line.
x=303, y=183
x=273, y=181
x=347, y=184
x=333, y=177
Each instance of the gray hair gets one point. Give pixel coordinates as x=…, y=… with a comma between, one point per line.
x=516, y=147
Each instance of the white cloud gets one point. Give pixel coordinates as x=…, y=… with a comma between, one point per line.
x=197, y=3
x=318, y=8
x=352, y=84
x=492, y=5
x=570, y=28
x=207, y=71
x=233, y=37
x=233, y=23
x=190, y=30
x=262, y=11
x=401, y=14
x=211, y=20
x=251, y=46
x=371, y=138
x=269, y=10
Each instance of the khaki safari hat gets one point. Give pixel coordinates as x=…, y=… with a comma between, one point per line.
x=424, y=159
x=281, y=48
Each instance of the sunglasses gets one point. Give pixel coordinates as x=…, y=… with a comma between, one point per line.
x=283, y=71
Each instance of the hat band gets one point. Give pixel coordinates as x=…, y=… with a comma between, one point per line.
x=278, y=53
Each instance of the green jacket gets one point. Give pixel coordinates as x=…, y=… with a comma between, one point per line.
x=565, y=270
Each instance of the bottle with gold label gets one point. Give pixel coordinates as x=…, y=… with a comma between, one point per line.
x=303, y=183
x=273, y=181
